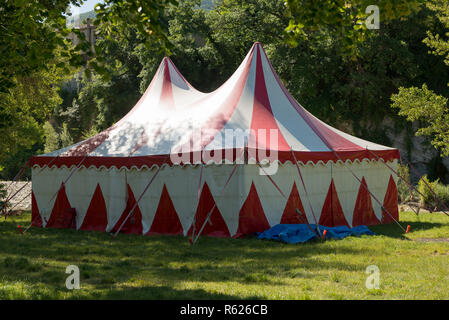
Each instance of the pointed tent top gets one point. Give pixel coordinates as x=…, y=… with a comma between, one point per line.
x=171, y=113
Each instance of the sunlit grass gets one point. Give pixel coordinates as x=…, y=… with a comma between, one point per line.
x=32, y=266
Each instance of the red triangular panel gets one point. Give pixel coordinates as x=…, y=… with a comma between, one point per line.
x=36, y=219
x=290, y=215
x=390, y=202
x=167, y=89
x=252, y=217
x=216, y=226
x=363, y=210
x=166, y=219
x=262, y=115
x=96, y=217
x=134, y=223
x=62, y=215
x=332, y=214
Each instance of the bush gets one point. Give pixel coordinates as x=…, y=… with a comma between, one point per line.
x=427, y=199
x=404, y=192
x=2, y=196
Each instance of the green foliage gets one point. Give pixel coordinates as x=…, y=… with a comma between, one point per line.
x=89, y=133
x=427, y=199
x=114, y=17
x=431, y=109
x=36, y=54
x=427, y=107
x=439, y=44
x=66, y=139
x=52, y=141
x=341, y=20
x=207, y=47
x=26, y=106
x=29, y=37
x=404, y=192
x=436, y=169
x=55, y=140
x=3, y=193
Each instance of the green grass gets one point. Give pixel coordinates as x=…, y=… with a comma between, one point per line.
x=32, y=266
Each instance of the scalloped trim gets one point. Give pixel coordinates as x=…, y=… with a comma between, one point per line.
x=210, y=163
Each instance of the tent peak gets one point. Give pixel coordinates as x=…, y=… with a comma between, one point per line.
x=257, y=44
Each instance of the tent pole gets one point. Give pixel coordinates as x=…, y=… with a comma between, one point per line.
x=140, y=197
x=399, y=176
x=284, y=196
x=19, y=174
x=409, y=184
x=214, y=206
x=305, y=191
x=301, y=214
x=18, y=177
x=198, y=195
x=63, y=184
x=68, y=178
x=366, y=188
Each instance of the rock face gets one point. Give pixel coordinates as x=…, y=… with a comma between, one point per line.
x=421, y=155
x=24, y=195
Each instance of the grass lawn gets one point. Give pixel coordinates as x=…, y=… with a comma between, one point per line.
x=32, y=266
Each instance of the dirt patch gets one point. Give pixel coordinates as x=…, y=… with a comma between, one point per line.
x=432, y=239
x=412, y=206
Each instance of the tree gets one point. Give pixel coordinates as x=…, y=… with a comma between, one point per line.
x=33, y=30
x=52, y=141
x=31, y=33
x=341, y=19
x=207, y=47
x=428, y=108
x=25, y=108
x=147, y=16
x=35, y=42
x=438, y=44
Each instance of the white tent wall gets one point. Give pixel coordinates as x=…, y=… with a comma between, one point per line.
x=181, y=183
x=182, y=186
x=79, y=190
x=45, y=184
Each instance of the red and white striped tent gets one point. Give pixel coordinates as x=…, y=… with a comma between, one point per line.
x=206, y=150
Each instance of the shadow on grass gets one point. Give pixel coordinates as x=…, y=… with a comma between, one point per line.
x=138, y=267
x=394, y=231
x=160, y=293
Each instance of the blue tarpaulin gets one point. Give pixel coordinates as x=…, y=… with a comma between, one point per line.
x=299, y=233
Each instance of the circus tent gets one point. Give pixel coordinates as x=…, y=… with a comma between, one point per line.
x=205, y=155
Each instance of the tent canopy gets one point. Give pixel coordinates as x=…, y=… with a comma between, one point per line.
x=172, y=117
